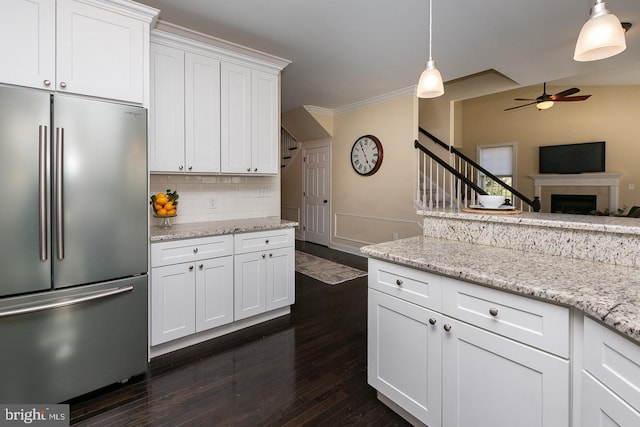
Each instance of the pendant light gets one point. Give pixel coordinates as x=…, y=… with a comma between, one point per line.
x=601, y=36
x=430, y=83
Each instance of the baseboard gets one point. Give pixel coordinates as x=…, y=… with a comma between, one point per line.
x=345, y=248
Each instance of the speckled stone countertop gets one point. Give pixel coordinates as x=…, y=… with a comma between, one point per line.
x=610, y=293
x=214, y=228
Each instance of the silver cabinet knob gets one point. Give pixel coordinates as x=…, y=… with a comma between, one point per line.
x=270, y=255
x=493, y=312
x=432, y=321
x=255, y=170
x=248, y=169
x=201, y=266
x=195, y=250
x=180, y=167
x=447, y=327
x=191, y=268
x=264, y=255
x=190, y=167
x=399, y=282
x=266, y=241
x=47, y=82
x=63, y=85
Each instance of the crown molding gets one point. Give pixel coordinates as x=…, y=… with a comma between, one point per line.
x=385, y=97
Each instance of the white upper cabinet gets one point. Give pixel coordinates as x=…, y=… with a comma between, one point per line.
x=28, y=43
x=89, y=47
x=214, y=107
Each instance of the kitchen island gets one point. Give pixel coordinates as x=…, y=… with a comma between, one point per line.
x=553, y=295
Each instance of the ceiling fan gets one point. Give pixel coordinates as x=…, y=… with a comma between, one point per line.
x=546, y=101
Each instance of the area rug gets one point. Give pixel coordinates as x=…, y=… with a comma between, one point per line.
x=326, y=271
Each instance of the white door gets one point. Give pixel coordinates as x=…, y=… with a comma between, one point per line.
x=173, y=297
x=214, y=292
x=28, y=43
x=406, y=367
x=280, y=278
x=489, y=380
x=317, y=188
x=100, y=52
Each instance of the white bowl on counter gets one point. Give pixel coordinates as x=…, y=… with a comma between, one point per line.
x=491, y=202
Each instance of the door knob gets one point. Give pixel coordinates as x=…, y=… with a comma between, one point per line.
x=325, y=201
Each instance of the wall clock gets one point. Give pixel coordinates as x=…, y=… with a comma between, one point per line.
x=366, y=155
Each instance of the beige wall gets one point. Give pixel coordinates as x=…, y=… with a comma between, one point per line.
x=367, y=209
x=612, y=114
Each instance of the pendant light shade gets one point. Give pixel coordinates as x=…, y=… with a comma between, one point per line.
x=430, y=84
x=602, y=36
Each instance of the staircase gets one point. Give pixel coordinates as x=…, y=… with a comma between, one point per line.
x=455, y=182
x=289, y=148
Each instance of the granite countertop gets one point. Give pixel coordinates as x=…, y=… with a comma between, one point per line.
x=610, y=293
x=214, y=228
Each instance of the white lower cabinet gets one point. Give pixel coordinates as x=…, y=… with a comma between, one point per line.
x=204, y=283
x=446, y=372
x=190, y=297
x=265, y=276
x=489, y=380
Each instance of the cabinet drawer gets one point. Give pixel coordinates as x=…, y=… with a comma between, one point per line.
x=614, y=360
x=418, y=287
x=263, y=240
x=535, y=323
x=187, y=250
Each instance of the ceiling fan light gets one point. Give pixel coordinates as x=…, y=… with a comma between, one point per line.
x=602, y=36
x=430, y=84
x=544, y=105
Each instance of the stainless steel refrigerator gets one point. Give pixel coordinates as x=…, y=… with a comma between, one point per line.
x=73, y=245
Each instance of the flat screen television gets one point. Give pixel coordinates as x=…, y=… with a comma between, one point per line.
x=572, y=158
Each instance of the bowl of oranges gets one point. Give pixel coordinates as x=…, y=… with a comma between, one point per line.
x=165, y=205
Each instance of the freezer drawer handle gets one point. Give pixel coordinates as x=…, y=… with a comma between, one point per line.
x=42, y=192
x=65, y=303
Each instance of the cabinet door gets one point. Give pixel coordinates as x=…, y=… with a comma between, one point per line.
x=265, y=115
x=404, y=355
x=603, y=408
x=27, y=43
x=100, y=52
x=249, y=284
x=235, y=116
x=280, y=278
x=202, y=113
x=214, y=292
x=491, y=380
x=166, y=115
x=172, y=301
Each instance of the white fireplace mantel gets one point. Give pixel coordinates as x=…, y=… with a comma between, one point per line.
x=602, y=179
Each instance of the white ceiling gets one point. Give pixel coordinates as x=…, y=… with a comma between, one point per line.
x=345, y=51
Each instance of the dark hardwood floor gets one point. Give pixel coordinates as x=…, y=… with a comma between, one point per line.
x=306, y=368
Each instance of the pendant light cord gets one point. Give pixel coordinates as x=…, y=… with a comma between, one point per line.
x=430, y=25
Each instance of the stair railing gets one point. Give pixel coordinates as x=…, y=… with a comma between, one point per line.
x=462, y=185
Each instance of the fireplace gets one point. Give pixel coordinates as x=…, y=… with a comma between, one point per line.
x=582, y=204
x=603, y=185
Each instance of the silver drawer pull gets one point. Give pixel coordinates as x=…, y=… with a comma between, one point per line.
x=266, y=241
x=493, y=312
x=201, y=266
x=399, y=282
x=432, y=321
x=264, y=255
x=195, y=250
x=191, y=268
x=447, y=327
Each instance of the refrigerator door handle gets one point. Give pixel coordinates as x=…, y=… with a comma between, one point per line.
x=59, y=195
x=42, y=192
x=67, y=302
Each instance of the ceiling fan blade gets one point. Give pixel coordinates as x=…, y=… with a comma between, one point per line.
x=524, y=99
x=573, y=98
x=520, y=106
x=565, y=93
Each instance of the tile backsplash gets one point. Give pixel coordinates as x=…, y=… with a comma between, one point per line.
x=214, y=198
